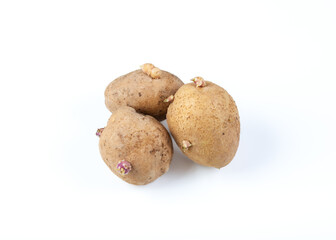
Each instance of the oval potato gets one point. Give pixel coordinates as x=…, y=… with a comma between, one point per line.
x=140, y=140
x=142, y=92
x=207, y=119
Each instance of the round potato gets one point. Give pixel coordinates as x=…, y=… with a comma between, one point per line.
x=144, y=90
x=204, y=121
x=137, y=148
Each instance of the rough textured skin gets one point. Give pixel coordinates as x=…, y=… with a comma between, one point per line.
x=208, y=118
x=140, y=140
x=139, y=91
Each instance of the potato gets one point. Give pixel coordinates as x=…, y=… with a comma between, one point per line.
x=137, y=148
x=144, y=90
x=204, y=122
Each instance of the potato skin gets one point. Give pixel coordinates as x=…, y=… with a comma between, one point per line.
x=208, y=118
x=140, y=140
x=143, y=93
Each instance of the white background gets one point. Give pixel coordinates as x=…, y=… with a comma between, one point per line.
x=276, y=58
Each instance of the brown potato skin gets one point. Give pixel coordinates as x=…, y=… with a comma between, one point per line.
x=143, y=93
x=208, y=118
x=140, y=140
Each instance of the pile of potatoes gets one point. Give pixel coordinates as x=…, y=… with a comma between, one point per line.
x=202, y=118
